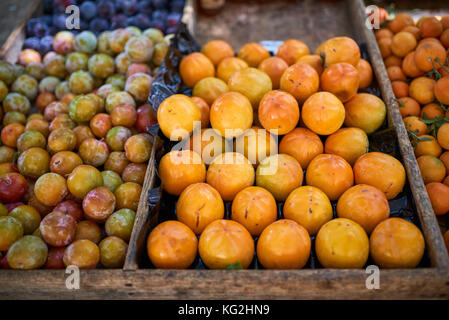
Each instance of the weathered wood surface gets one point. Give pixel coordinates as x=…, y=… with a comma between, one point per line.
x=209, y=284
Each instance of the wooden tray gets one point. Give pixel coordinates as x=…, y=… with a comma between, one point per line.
x=134, y=283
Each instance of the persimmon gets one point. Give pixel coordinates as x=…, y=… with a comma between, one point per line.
x=428, y=146
x=300, y=80
x=177, y=115
x=224, y=243
x=444, y=157
x=279, y=111
x=179, y=169
x=400, y=21
x=323, y=113
x=415, y=31
x=348, y=143
x=431, y=28
x=342, y=244
x=382, y=171
x=441, y=90
x=408, y=107
x=415, y=125
x=341, y=79
x=403, y=43
x=255, y=208
x=204, y=110
x=253, y=53
x=256, y=144
x=330, y=173
x=395, y=73
x=229, y=173
x=172, y=245
x=393, y=61
x=228, y=66
x=194, y=67
x=274, y=67
x=444, y=39
x=365, y=205
x=422, y=90
x=383, y=33
x=279, y=174
x=426, y=54
x=339, y=49
x=208, y=144
x=231, y=114
x=443, y=136
x=210, y=89
x=302, y=144
x=439, y=197
x=431, y=111
x=252, y=83
x=432, y=169
x=384, y=45
x=396, y=243
x=365, y=73
x=217, y=50
x=272, y=251
x=198, y=205
x=400, y=89
x=365, y=111
x=291, y=50
x=308, y=206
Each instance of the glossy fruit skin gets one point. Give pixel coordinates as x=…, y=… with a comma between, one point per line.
x=228, y=66
x=54, y=109
x=113, y=252
x=28, y=216
x=176, y=116
x=226, y=242
x=26, y=85
x=81, y=82
x=209, y=89
x=62, y=139
x=101, y=65
x=8, y=167
x=398, y=236
x=179, y=169
x=274, y=67
x=342, y=244
x=139, y=49
x=138, y=148
x=253, y=53
x=6, y=154
x=252, y=83
x=422, y=90
x=382, y=171
x=62, y=121
x=272, y=251
x=120, y=224
x=134, y=172
x=33, y=162
x=133, y=69
x=432, y=169
x=278, y=112
x=341, y=79
x=291, y=50
x=365, y=205
x=55, y=66
x=88, y=230
x=223, y=114
x=230, y=173
x=279, y=174
x=443, y=136
x=172, y=245
x=14, y=117
x=50, y=189
x=116, y=162
x=146, y=117
x=256, y=144
x=194, y=67
x=139, y=86
x=429, y=50
x=111, y=180
x=255, y=208
x=323, y=113
x=365, y=111
x=348, y=143
x=302, y=144
x=11, y=231
x=82, y=253
x=11, y=133
x=99, y=204
x=217, y=50
x=71, y=208
x=83, y=179
x=13, y=187
x=94, y=152
x=16, y=102
x=117, y=137
x=430, y=146
x=207, y=143
x=58, y=229
x=64, y=162
x=330, y=173
x=308, y=206
x=54, y=258
x=82, y=108
x=128, y=195
x=29, y=252
x=100, y=124
x=365, y=72
x=339, y=49
x=76, y=61
x=438, y=194
x=124, y=115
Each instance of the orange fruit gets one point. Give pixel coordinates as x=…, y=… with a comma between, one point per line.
x=274, y=254
x=224, y=243
x=342, y=244
x=323, y=113
x=414, y=31
x=313, y=60
x=210, y=89
x=365, y=111
x=365, y=205
x=431, y=28
x=382, y=171
x=330, y=173
x=445, y=22
x=217, y=50
x=339, y=49
x=427, y=52
x=439, y=197
x=256, y=144
x=393, y=61
x=291, y=50
x=341, y=79
x=194, y=67
x=444, y=38
x=179, y=169
x=253, y=53
x=172, y=245
x=409, y=66
x=429, y=146
x=383, y=33
x=421, y=89
x=400, y=89
x=402, y=43
x=400, y=21
x=204, y=110
x=444, y=157
x=208, y=144
x=274, y=67
x=228, y=66
x=431, y=111
x=348, y=143
x=432, y=169
x=254, y=208
x=278, y=112
x=198, y=205
x=252, y=83
x=414, y=124
x=365, y=73
x=302, y=144
x=396, y=243
x=384, y=45
x=308, y=206
x=441, y=90
x=395, y=73
x=408, y=107
x=300, y=80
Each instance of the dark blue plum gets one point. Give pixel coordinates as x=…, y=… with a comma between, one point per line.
x=173, y=19
x=160, y=16
x=145, y=7
x=140, y=21
x=46, y=45
x=88, y=10
x=171, y=29
x=160, y=4
x=177, y=6
x=47, y=19
x=48, y=6
x=119, y=21
x=32, y=43
x=106, y=9
x=128, y=7
x=59, y=21
x=60, y=5
x=30, y=25
x=84, y=25
x=40, y=30
x=98, y=25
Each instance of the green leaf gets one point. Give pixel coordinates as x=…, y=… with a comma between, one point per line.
x=236, y=266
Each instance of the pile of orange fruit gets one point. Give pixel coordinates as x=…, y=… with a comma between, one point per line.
x=416, y=57
x=315, y=106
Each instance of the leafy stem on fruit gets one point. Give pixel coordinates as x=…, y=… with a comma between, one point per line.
x=442, y=65
x=434, y=70
x=400, y=103
x=323, y=59
x=235, y=266
x=434, y=124
x=414, y=139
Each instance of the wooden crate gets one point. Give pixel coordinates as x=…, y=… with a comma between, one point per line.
x=135, y=283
